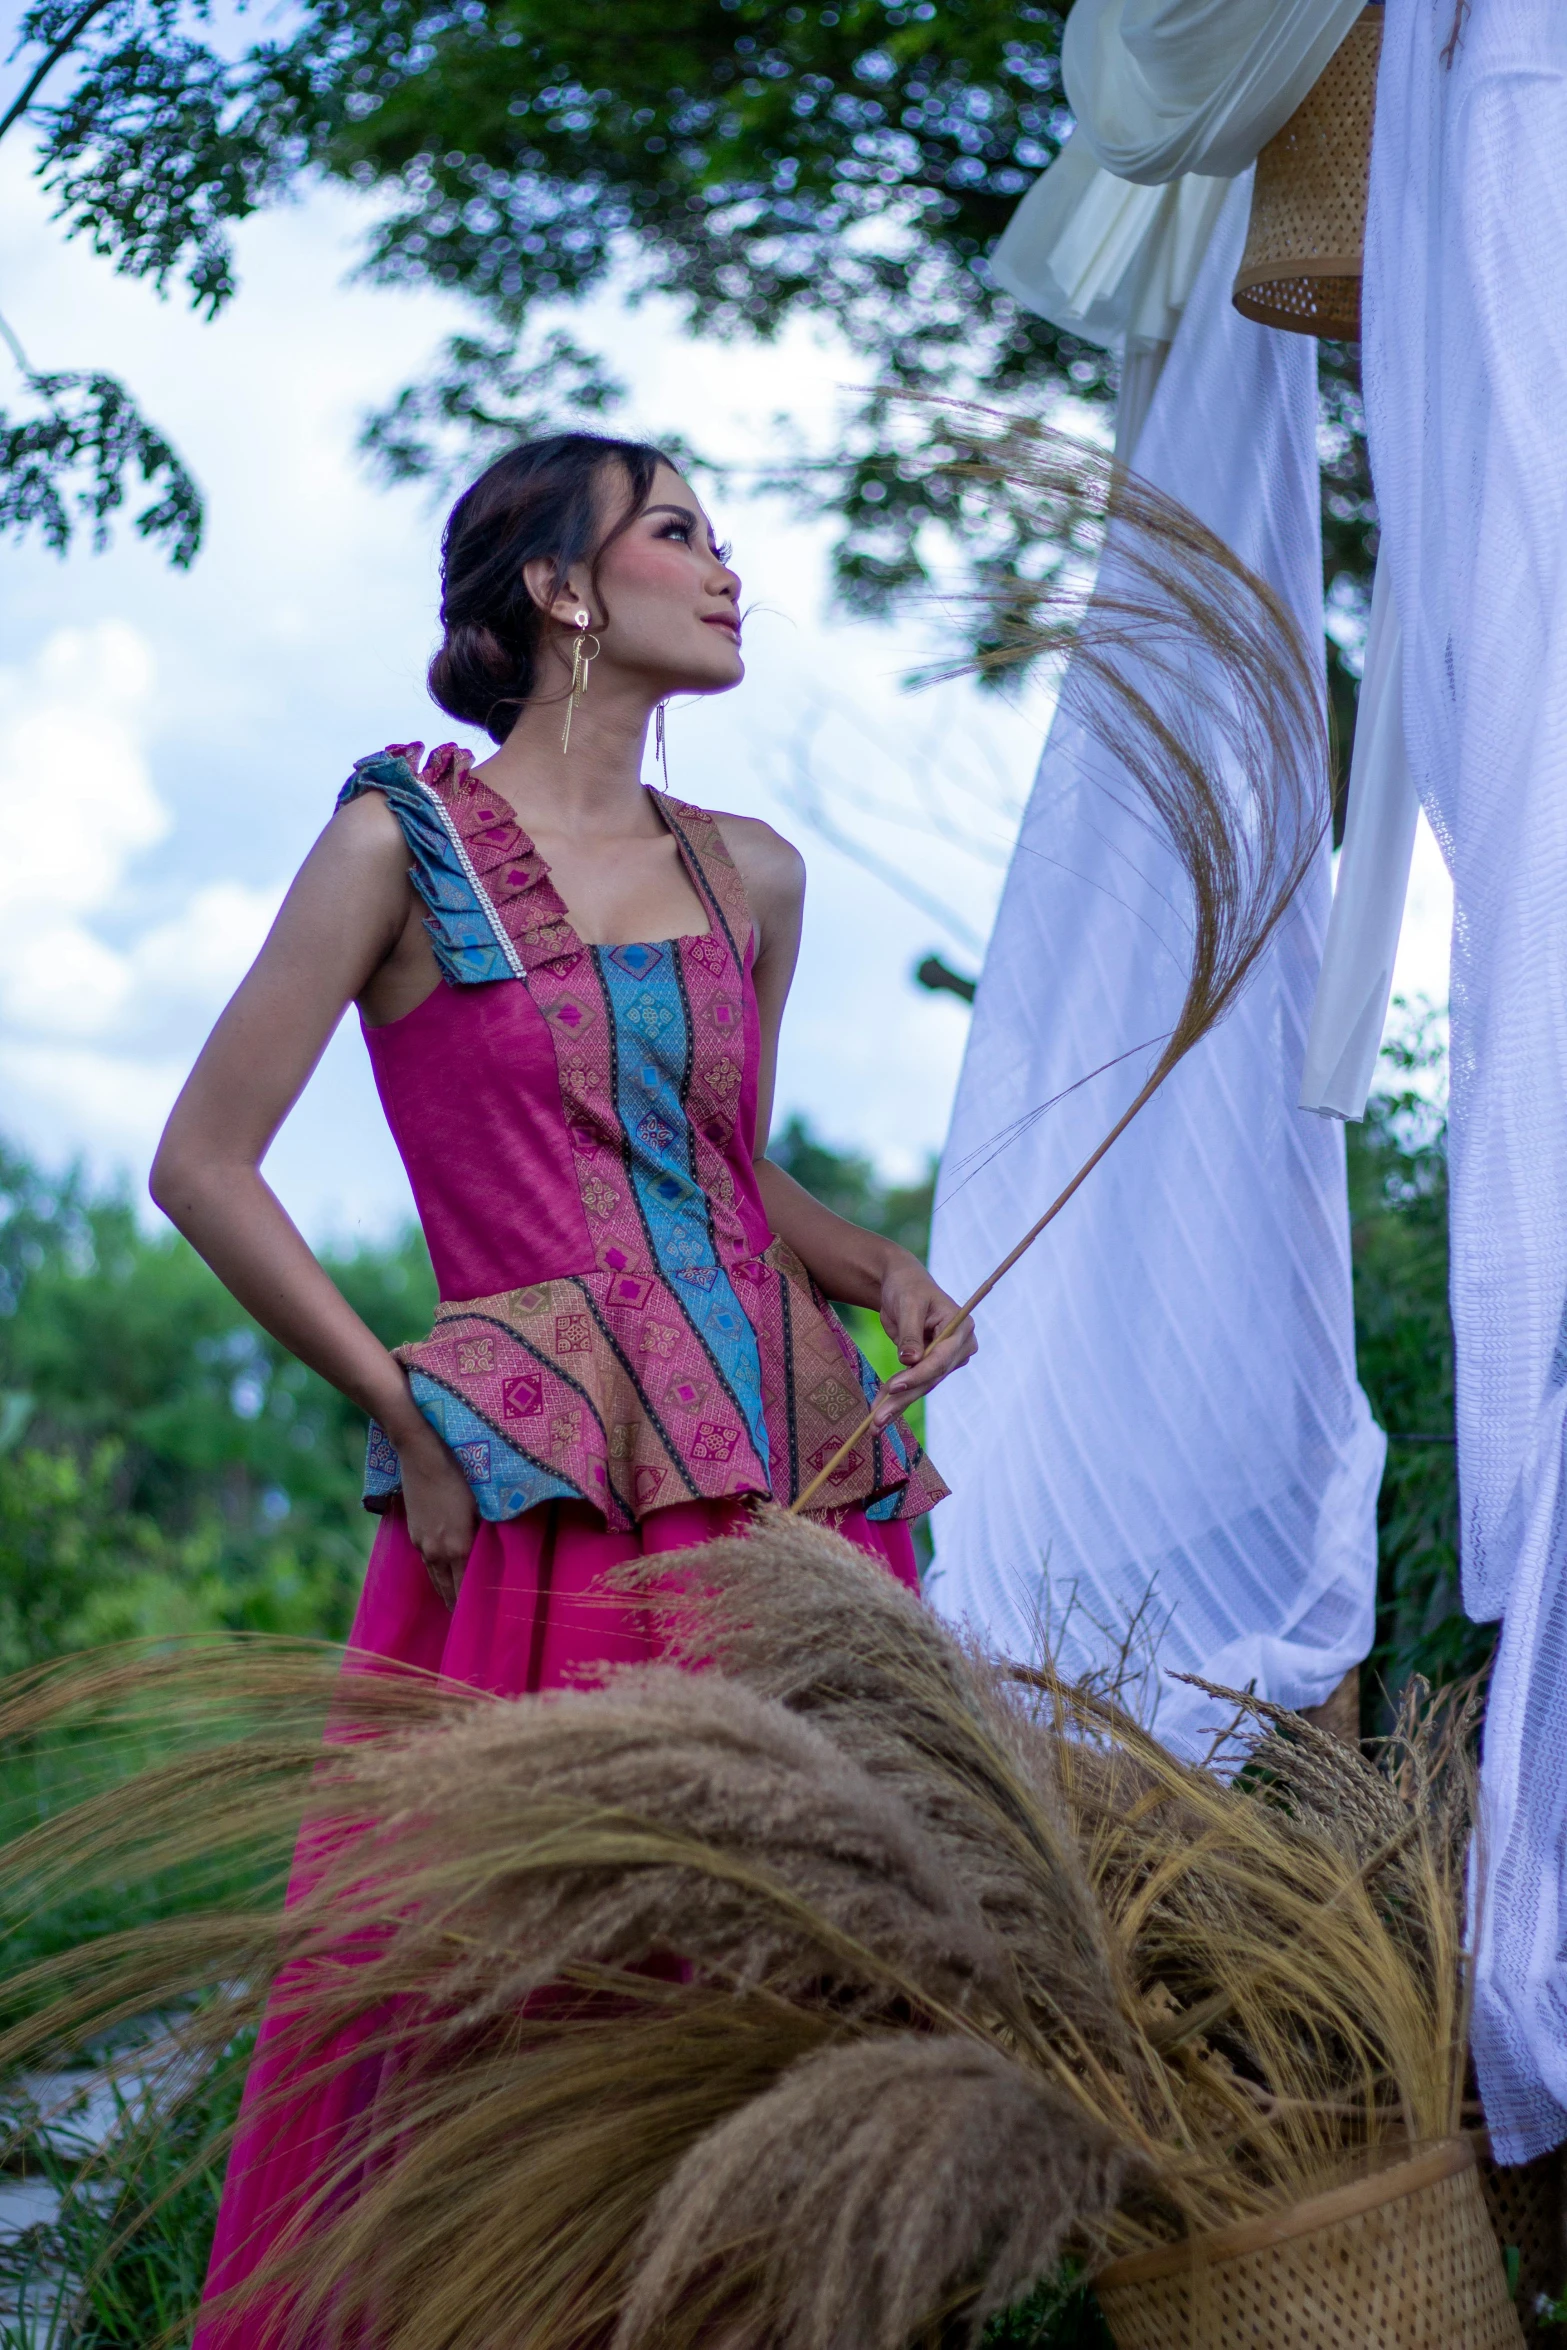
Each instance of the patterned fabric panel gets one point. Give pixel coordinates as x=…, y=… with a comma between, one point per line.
x=584, y=1388
x=685, y=1365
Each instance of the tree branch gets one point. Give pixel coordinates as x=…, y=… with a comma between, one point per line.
x=62, y=48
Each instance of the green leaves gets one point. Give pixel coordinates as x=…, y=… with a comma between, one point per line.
x=69, y=464
x=158, y=144
x=482, y=398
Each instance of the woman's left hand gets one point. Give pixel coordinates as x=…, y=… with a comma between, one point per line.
x=913, y=1309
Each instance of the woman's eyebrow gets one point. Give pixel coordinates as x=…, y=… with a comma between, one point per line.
x=691, y=520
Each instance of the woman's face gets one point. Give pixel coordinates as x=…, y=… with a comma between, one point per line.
x=669, y=605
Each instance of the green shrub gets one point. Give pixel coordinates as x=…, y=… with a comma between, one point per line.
x=121, y=2264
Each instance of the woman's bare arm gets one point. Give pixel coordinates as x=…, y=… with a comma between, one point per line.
x=341, y=922
x=856, y=1267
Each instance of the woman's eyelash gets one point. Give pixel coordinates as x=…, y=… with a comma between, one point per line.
x=675, y=529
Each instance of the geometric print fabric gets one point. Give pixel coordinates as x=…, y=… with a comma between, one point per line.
x=689, y=1362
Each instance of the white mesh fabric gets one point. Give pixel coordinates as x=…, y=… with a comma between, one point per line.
x=1164, y=1398
x=1465, y=364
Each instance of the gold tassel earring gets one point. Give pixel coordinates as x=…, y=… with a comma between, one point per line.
x=581, y=662
x=660, y=746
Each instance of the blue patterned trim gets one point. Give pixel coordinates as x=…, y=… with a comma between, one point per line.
x=469, y=938
x=652, y=1048
x=505, y=1481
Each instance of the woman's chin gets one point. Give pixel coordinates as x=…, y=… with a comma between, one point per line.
x=719, y=676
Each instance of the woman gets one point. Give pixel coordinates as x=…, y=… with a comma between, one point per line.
x=571, y=990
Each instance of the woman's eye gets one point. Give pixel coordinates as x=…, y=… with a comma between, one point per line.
x=676, y=530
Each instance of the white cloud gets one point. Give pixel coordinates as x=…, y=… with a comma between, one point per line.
x=76, y=804
x=77, y=1095
x=77, y=808
x=205, y=952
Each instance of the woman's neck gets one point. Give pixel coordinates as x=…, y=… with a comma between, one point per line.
x=595, y=786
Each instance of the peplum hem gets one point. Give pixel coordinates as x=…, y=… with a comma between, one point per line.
x=581, y=1389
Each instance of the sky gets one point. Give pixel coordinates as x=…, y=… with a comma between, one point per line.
x=170, y=744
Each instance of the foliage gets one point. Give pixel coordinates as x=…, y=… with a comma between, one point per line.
x=848, y=1183
x=121, y=2262
x=1349, y=547
x=1404, y=1342
x=164, y=1464
x=69, y=464
x=756, y=163
x=479, y=401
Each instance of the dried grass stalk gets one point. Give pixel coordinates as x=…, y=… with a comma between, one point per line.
x=1184, y=667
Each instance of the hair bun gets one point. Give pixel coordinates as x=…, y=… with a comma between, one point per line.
x=474, y=674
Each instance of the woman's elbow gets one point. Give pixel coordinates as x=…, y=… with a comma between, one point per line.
x=169, y=1182
x=183, y=1178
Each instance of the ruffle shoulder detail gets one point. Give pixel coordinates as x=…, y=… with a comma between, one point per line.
x=471, y=943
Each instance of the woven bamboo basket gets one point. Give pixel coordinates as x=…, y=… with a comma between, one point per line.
x=1403, y=2260
x=1301, y=267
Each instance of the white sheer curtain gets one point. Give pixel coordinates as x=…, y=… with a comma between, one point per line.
x=1465, y=363
x=1163, y=1422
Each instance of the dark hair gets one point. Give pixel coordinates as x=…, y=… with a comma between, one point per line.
x=539, y=500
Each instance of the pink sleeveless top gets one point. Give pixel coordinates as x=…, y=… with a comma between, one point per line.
x=617, y=1323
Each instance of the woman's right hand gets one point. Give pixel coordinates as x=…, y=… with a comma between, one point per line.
x=439, y=1506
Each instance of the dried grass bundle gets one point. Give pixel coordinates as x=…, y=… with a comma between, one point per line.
x=811, y=1999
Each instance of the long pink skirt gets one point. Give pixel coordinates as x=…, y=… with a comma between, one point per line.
x=526, y=1619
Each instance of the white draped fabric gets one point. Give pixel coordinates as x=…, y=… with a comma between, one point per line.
x=1107, y=244
x=1104, y=259
x=1162, y=1423
x=1465, y=363
x=1180, y=96
x=1161, y=87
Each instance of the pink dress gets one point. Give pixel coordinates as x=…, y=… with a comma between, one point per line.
x=622, y=1353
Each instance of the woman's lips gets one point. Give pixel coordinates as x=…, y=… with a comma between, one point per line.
x=721, y=620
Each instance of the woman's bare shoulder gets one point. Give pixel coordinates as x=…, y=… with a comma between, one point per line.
x=365, y=832
x=352, y=893
x=771, y=867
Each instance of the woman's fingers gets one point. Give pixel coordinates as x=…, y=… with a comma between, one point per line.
x=912, y=1327
x=928, y=1371
x=445, y=1577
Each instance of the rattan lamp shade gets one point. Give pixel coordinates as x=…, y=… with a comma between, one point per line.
x=1301, y=266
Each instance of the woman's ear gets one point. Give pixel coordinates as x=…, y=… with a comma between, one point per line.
x=561, y=598
x=544, y=584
